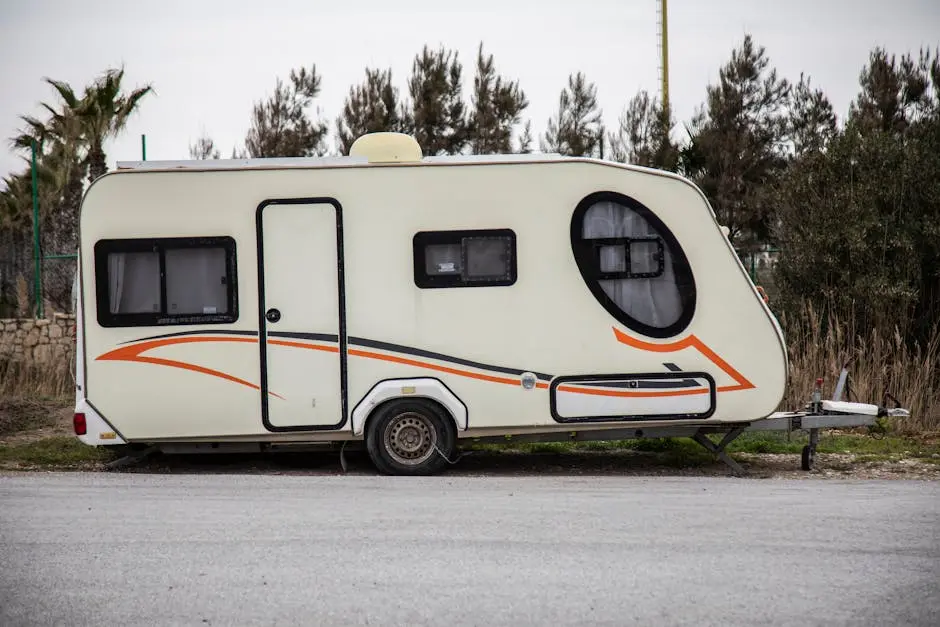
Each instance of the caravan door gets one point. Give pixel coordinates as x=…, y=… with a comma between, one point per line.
x=300, y=292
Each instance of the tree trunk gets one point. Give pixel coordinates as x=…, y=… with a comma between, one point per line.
x=97, y=162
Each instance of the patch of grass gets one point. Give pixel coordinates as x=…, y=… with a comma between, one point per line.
x=545, y=447
x=57, y=452
x=767, y=443
x=888, y=445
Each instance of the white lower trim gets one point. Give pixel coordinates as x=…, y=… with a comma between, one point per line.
x=98, y=432
x=581, y=399
x=408, y=388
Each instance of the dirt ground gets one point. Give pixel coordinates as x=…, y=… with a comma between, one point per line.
x=25, y=422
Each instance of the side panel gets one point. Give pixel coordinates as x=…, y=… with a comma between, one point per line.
x=675, y=395
x=299, y=245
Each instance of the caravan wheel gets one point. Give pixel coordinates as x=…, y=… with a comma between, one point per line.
x=410, y=437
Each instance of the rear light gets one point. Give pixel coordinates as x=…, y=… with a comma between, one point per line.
x=78, y=422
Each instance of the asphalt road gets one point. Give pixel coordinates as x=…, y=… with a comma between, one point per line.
x=136, y=549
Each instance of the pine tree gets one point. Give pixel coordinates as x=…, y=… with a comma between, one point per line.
x=896, y=95
x=280, y=125
x=811, y=119
x=738, y=144
x=576, y=128
x=859, y=219
x=204, y=148
x=642, y=137
x=371, y=107
x=497, y=105
x=436, y=115
x=525, y=140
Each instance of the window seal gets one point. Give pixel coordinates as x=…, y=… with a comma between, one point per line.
x=587, y=257
x=423, y=239
x=160, y=245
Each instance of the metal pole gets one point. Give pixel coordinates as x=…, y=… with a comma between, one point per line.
x=143, y=147
x=37, y=263
x=665, y=60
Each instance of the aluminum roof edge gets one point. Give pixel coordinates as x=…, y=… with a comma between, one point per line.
x=324, y=162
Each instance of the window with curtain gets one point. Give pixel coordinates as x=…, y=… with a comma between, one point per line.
x=477, y=258
x=633, y=264
x=134, y=282
x=143, y=282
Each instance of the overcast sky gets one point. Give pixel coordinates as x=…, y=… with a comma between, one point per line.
x=209, y=60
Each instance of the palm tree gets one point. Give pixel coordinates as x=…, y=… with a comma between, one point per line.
x=61, y=165
x=104, y=111
x=64, y=135
x=70, y=143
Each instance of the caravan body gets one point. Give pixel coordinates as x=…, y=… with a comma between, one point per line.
x=301, y=299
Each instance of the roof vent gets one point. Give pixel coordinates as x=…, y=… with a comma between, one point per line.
x=386, y=148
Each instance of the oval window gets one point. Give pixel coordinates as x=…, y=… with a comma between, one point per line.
x=633, y=264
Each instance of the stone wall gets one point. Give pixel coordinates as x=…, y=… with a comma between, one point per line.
x=42, y=342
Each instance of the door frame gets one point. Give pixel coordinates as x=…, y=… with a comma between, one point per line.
x=262, y=321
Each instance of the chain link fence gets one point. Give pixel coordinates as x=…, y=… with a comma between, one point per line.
x=22, y=293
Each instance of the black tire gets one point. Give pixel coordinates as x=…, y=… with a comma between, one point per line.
x=410, y=437
x=808, y=457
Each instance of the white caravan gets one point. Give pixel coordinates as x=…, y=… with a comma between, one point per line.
x=410, y=302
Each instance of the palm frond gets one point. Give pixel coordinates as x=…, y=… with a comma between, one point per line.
x=64, y=90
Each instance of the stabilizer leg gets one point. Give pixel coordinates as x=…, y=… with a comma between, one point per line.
x=809, y=451
x=718, y=450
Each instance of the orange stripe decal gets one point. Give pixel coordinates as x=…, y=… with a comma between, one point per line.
x=690, y=342
x=316, y=347
x=133, y=353
x=421, y=364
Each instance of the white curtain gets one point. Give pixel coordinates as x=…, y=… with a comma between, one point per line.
x=653, y=301
x=134, y=282
x=115, y=280
x=195, y=281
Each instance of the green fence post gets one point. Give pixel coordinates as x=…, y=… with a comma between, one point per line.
x=37, y=263
x=143, y=147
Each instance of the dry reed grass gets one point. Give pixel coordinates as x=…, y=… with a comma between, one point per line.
x=19, y=380
x=820, y=345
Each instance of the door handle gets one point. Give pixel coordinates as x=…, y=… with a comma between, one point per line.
x=272, y=315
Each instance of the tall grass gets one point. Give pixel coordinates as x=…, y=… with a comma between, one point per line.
x=821, y=344
x=19, y=379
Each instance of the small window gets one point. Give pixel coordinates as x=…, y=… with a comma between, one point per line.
x=464, y=258
x=151, y=282
x=633, y=264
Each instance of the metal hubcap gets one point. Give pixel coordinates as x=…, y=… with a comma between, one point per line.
x=410, y=438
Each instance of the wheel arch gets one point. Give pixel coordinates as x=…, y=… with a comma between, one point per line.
x=427, y=388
